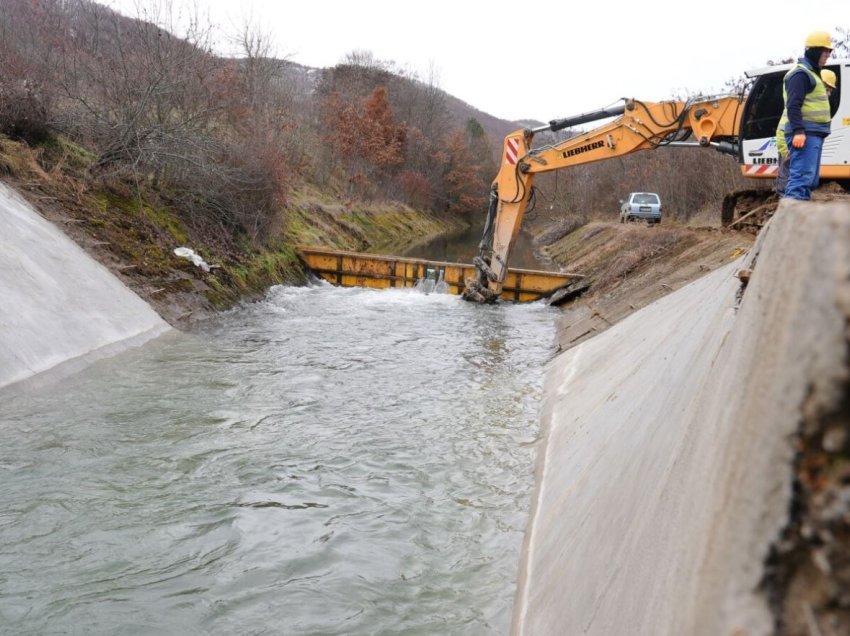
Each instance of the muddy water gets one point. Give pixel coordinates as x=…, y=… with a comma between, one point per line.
x=329, y=461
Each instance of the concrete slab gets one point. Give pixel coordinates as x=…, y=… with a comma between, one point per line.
x=665, y=467
x=57, y=303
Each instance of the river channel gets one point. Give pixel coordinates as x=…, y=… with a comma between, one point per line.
x=326, y=461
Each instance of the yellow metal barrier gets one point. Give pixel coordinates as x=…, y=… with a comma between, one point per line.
x=354, y=269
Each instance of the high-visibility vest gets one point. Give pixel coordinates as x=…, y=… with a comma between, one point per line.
x=815, y=109
x=781, y=141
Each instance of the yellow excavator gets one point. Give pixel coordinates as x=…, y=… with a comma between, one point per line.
x=742, y=126
x=638, y=126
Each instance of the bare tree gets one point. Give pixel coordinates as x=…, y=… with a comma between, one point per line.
x=842, y=42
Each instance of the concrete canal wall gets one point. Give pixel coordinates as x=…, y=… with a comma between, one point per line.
x=58, y=306
x=665, y=468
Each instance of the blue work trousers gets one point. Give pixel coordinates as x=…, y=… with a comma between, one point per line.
x=781, y=176
x=804, y=169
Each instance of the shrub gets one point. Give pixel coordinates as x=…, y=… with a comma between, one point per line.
x=24, y=111
x=414, y=188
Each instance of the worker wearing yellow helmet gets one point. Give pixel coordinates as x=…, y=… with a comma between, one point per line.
x=809, y=119
x=829, y=81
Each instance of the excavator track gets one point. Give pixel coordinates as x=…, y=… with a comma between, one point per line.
x=748, y=210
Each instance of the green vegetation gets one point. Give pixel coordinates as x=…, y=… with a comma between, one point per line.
x=316, y=219
x=60, y=153
x=251, y=275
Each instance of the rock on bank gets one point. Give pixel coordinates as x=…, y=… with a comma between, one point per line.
x=665, y=470
x=58, y=306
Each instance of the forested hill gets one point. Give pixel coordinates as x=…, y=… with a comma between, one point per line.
x=306, y=79
x=227, y=138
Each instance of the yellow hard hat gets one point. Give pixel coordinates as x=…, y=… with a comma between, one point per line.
x=828, y=77
x=819, y=38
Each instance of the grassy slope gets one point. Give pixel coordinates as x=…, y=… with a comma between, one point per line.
x=134, y=235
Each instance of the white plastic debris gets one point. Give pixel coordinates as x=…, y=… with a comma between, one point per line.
x=188, y=253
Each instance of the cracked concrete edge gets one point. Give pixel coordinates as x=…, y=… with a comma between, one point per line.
x=791, y=343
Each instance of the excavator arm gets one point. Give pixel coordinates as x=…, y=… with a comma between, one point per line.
x=637, y=126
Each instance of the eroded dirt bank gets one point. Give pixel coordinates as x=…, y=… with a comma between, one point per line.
x=669, y=458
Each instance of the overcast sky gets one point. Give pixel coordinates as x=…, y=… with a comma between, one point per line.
x=539, y=60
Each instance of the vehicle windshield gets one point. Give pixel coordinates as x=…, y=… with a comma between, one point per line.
x=764, y=107
x=645, y=198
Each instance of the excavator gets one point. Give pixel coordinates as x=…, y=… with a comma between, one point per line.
x=740, y=125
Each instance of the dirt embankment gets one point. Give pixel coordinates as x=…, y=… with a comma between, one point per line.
x=632, y=265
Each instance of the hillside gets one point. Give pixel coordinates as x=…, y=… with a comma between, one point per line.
x=136, y=239
x=302, y=81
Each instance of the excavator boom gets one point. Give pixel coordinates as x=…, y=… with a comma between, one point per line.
x=637, y=126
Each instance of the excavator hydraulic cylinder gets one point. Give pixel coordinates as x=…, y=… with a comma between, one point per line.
x=594, y=115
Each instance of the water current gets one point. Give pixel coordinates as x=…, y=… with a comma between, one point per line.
x=327, y=461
